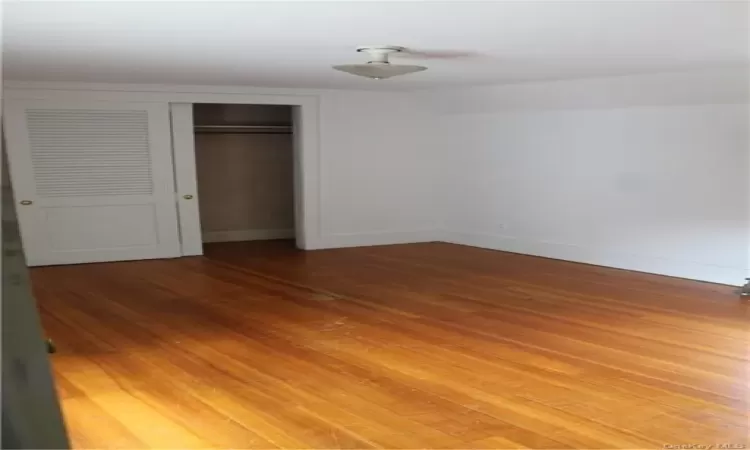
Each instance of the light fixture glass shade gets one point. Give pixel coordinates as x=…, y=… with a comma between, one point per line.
x=379, y=70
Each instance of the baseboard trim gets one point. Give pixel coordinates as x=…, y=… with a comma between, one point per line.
x=246, y=235
x=601, y=257
x=341, y=240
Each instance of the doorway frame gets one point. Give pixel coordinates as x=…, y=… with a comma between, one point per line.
x=305, y=107
x=188, y=200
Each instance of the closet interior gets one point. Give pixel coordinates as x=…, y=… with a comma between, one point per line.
x=245, y=171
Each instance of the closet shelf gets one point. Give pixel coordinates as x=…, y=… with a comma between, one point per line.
x=243, y=129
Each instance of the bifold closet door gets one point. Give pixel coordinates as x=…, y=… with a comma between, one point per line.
x=93, y=180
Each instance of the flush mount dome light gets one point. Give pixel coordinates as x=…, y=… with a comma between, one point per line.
x=378, y=67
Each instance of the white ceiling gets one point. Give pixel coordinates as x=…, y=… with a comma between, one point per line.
x=293, y=44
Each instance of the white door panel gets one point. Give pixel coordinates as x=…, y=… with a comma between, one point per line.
x=99, y=177
x=186, y=179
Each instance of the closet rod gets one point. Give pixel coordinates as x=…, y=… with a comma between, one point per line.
x=240, y=129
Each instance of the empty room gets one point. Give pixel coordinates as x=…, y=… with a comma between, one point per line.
x=393, y=224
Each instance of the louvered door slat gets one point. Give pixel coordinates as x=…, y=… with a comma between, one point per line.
x=103, y=139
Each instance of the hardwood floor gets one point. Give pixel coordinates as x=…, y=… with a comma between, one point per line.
x=257, y=345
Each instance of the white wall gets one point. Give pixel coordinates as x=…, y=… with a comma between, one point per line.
x=645, y=173
x=378, y=169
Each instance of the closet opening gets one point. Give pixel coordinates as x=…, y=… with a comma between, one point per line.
x=245, y=172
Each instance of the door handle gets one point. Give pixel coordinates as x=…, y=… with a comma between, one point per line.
x=187, y=197
x=51, y=347
x=26, y=202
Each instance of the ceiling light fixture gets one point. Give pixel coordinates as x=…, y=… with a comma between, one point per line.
x=378, y=67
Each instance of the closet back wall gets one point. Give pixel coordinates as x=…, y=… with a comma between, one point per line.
x=245, y=181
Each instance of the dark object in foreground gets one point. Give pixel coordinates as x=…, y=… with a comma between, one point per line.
x=745, y=289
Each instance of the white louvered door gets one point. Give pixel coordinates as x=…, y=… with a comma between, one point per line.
x=99, y=177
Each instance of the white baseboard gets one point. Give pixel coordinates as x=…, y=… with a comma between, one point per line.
x=341, y=240
x=246, y=235
x=601, y=257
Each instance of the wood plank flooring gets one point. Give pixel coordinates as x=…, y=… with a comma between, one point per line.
x=257, y=345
